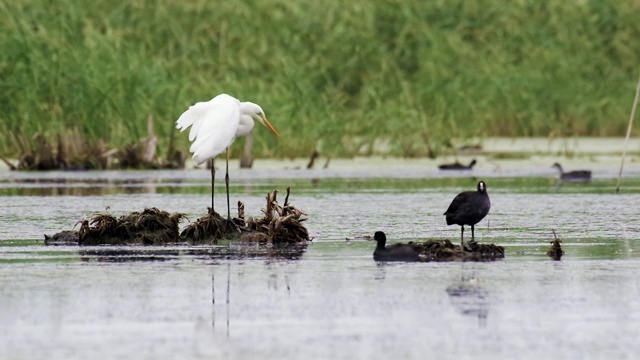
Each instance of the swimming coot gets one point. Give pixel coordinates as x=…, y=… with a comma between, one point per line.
x=457, y=166
x=395, y=252
x=573, y=176
x=468, y=208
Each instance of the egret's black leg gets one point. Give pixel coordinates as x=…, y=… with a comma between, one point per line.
x=213, y=176
x=462, y=236
x=472, y=234
x=226, y=180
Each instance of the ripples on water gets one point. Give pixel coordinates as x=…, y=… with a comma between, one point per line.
x=336, y=302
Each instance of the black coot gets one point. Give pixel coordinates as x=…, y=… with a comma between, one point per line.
x=573, y=176
x=395, y=252
x=468, y=208
x=457, y=166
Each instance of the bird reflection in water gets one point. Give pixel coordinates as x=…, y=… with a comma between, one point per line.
x=469, y=297
x=227, y=304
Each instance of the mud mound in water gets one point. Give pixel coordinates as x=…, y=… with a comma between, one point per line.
x=209, y=229
x=444, y=250
x=281, y=225
x=66, y=237
x=152, y=226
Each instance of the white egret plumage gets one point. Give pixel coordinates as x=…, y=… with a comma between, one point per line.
x=214, y=125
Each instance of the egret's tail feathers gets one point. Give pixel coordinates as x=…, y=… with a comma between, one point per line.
x=205, y=148
x=199, y=159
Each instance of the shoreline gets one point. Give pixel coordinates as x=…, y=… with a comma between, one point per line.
x=494, y=153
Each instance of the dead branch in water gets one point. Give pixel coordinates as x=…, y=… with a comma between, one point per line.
x=555, y=250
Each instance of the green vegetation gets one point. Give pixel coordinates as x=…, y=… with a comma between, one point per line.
x=330, y=74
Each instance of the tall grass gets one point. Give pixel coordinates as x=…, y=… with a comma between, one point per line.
x=331, y=74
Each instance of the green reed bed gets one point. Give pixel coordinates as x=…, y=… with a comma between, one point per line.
x=333, y=75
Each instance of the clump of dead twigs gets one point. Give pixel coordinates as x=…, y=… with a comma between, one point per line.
x=281, y=225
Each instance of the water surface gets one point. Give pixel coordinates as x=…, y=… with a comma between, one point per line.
x=334, y=302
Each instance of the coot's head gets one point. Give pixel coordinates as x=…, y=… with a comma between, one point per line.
x=473, y=162
x=379, y=236
x=482, y=187
x=557, y=166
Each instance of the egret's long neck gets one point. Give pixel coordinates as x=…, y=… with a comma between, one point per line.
x=246, y=121
x=245, y=126
x=247, y=107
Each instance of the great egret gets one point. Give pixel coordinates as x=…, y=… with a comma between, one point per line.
x=468, y=208
x=214, y=126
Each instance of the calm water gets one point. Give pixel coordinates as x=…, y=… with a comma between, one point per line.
x=335, y=302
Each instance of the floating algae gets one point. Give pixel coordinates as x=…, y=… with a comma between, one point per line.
x=281, y=226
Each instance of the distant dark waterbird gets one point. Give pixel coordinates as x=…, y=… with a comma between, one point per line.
x=395, y=252
x=468, y=208
x=457, y=166
x=573, y=176
x=555, y=250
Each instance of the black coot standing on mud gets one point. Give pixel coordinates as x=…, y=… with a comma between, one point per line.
x=468, y=208
x=395, y=252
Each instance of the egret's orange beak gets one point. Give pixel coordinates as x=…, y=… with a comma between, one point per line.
x=269, y=126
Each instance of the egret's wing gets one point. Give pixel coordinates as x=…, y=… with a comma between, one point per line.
x=194, y=116
x=214, y=129
x=197, y=114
